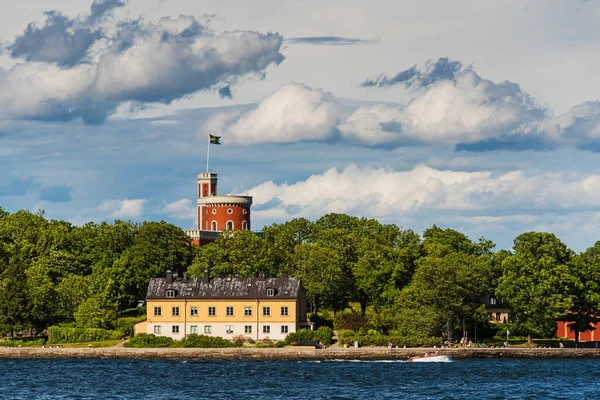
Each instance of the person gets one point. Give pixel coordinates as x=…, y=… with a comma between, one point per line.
x=561, y=345
x=506, y=344
x=390, y=344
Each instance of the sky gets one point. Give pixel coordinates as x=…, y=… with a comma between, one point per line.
x=482, y=116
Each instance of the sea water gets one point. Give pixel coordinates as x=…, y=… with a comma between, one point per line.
x=181, y=379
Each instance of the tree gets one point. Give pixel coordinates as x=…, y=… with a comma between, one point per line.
x=536, y=282
x=584, y=291
x=14, y=304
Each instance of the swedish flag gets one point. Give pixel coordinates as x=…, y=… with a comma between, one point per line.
x=215, y=139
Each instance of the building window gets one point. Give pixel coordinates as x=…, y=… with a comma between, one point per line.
x=230, y=311
x=230, y=211
x=175, y=311
x=207, y=329
x=170, y=293
x=194, y=311
x=266, y=311
x=248, y=311
x=212, y=311
x=214, y=225
x=214, y=211
x=157, y=311
x=284, y=329
x=270, y=292
x=157, y=329
x=229, y=225
x=229, y=329
x=244, y=225
x=194, y=329
x=245, y=211
x=175, y=328
x=266, y=329
x=284, y=311
x=248, y=329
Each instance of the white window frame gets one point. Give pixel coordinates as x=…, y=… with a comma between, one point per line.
x=230, y=226
x=157, y=329
x=266, y=328
x=212, y=311
x=208, y=329
x=285, y=311
x=175, y=311
x=270, y=292
x=213, y=226
x=247, y=311
x=193, y=311
x=175, y=329
x=247, y=328
x=266, y=311
x=229, y=329
x=229, y=311
x=157, y=311
x=170, y=293
x=284, y=329
x=244, y=225
x=194, y=329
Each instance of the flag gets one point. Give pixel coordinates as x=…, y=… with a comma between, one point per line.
x=215, y=139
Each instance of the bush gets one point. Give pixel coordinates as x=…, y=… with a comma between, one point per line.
x=23, y=342
x=350, y=320
x=146, y=340
x=203, y=341
x=126, y=326
x=323, y=334
x=69, y=334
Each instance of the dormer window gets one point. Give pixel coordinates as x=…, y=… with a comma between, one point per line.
x=270, y=292
x=170, y=293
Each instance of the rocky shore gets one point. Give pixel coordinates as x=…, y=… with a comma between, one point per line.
x=365, y=353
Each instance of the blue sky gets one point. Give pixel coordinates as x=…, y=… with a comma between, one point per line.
x=480, y=116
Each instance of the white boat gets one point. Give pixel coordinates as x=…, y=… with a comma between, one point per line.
x=431, y=357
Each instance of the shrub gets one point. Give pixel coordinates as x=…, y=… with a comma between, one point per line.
x=23, y=342
x=149, y=340
x=350, y=320
x=70, y=334
x=203, y=341
x=126, y=326
x=323, y=334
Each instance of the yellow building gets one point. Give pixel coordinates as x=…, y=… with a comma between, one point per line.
x=258, y=308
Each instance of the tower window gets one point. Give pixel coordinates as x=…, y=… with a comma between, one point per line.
x=244, y=225
x=214, y=211
x=245, y=211
x=230, y=211
x=230, y=225
x=214, y=225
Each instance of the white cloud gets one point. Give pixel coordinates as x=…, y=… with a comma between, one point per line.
x=382, y=193
x=123, y=209
x=180, y=209
x=140, y=63
x=295, y=113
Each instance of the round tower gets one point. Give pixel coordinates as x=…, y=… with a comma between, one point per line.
x=219, y=213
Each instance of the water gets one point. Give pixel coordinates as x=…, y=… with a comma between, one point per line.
x=162, y=379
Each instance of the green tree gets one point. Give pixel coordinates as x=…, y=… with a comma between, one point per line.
x=584, y=291
x=536, y=282
x=14, y=302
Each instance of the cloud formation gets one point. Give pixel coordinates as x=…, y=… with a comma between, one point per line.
x=295, y=113
x=122, y=209
x=383, y=193
x=56, y=193
x=142, y=62
x=60, y=39
x=451, y=106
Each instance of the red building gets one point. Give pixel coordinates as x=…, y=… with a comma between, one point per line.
x=218, y=213
x=563, y=331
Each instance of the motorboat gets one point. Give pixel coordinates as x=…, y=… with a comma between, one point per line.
x=431, y=357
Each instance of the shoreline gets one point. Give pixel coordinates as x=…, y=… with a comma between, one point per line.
x=364, y=353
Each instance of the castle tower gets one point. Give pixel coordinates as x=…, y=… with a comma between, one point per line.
x=219, y=213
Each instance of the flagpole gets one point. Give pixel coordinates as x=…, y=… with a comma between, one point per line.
x=207, y=152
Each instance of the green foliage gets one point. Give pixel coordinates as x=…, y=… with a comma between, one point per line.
x=23, y=342
x=373, y=338
x=323, y=334
x=350, y=320
x=149, y=340
x=203, y=341
x=69, y=334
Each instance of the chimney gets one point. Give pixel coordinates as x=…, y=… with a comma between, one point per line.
x=169, y=277
x=261, y=276
x=206, y=279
